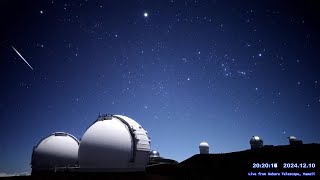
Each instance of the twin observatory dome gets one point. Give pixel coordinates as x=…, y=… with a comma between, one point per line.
x=113, y=143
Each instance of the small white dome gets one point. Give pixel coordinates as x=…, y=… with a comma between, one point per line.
x=60, y=149
x=256, y=142
x=154, y=154
x=204, y=144
x=204, y=148
x=255, y=138
x=292, y=138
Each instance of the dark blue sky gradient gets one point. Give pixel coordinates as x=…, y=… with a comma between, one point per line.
x=215, y=71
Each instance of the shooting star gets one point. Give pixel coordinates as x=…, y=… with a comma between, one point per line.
x=21, y=57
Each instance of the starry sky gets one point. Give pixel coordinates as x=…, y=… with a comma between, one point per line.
x=187, y=71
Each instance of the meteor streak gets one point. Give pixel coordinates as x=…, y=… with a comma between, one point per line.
x=21, y=57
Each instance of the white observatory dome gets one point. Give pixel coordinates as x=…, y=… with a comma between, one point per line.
x=60, y=149
x=294, y=141
x=114, y=143
x=154, y=154
x=292, y=138
x=204, y=148
x=256, y=142
x=255, y=138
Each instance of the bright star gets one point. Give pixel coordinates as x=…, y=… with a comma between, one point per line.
x=145, y=14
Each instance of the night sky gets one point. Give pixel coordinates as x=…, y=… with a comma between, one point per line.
x=187, y=71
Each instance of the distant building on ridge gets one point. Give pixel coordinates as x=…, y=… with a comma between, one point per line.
x=294, y=141
x=256, y=142
x=204, y=148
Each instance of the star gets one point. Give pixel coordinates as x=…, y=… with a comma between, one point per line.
x=145, y=14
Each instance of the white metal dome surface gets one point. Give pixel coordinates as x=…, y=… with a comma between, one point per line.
x=255, y=138
x=204, y=144
x=105, y=144
x=292, y=138
x=59, y=149
x=256, y=142
x=154, y=154
x=114, y=143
